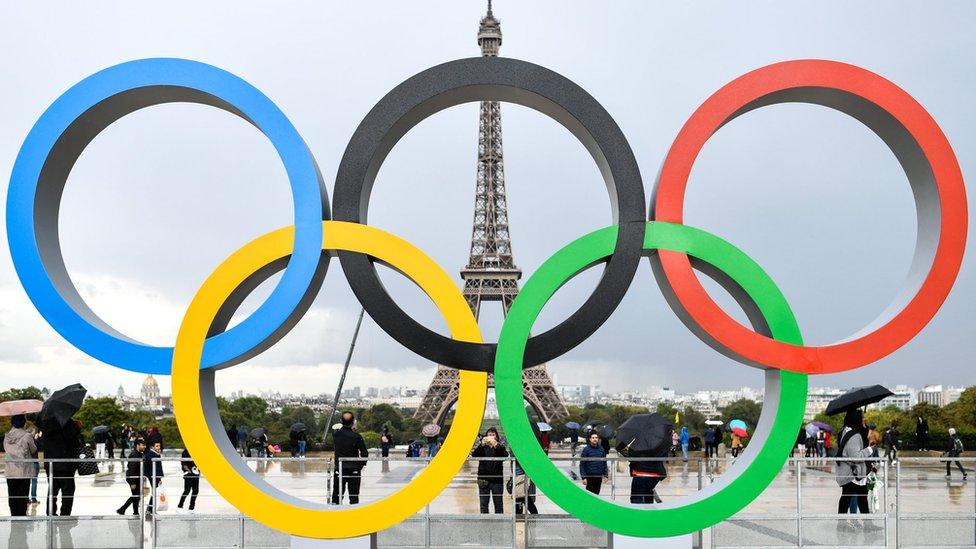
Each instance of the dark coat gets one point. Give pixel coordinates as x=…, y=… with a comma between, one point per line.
x=132, y=471
x=62, y=442
x=350, y=444
x=492, y=470
x=646, y=468
x=149, y=466
x=593, y=468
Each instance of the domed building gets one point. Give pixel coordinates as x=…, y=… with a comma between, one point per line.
x=150, y=392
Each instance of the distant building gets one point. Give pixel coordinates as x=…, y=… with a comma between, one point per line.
x=818, y=399
x=904, y=399
x=938, y=395
x=150, y=392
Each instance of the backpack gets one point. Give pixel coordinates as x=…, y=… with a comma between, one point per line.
x=957, y=447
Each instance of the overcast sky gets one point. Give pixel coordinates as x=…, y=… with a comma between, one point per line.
x=163, y=195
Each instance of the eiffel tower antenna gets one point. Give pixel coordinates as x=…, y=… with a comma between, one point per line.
x=491, y=273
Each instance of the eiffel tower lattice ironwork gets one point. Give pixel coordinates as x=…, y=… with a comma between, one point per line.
x=491, y=273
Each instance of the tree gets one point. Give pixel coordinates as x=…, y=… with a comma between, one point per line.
x=744, y=409
x=380, y=415
x=102, y=411
x=21, y=394
x=171, y=433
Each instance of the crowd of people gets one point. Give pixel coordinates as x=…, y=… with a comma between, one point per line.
x=855, y=444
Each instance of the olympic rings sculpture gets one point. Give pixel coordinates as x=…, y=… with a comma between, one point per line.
x=205, y=343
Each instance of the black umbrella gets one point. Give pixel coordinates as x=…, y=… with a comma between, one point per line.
x=63, y=404
x=646, y=433
x=257, y=432
x=100, y=429
x=298, y=427
x=606, y=431
x=856, y=398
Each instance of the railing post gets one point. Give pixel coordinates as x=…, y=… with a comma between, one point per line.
x=799, y=502
x=155, y=503
x=897, y=500
x=613, y=483
x=525, y=500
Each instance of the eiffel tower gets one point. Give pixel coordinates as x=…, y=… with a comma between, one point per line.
x=491, y=273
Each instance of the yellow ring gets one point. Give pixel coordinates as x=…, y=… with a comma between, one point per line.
x=206, y=441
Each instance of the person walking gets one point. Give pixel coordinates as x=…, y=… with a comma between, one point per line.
x=684, y=438
x=736, y=445
x=922, y=434
x=593, y=465
x=242, y=439
x=573, y=442
x=890, y=442
x=432, y=446
x=133, y=476
x=302, y=443
x=851, y=476
x=955, y=450
x=20, y=448
x=709, y=440
x=821, y=443
x=491, y=474
x=348, y=444
x=645, y=475
x=153, y=469
x=191, y=481
x=61, y=442
x=35, y=434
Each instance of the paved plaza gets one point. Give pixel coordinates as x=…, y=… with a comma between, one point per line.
x=928, y=504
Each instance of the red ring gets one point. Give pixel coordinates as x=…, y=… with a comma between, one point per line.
x=746, y=92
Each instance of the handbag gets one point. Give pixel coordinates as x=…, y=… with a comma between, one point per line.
x=162, y=501
x=88, y=465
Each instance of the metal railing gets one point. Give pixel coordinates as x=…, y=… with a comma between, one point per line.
x=918, y=505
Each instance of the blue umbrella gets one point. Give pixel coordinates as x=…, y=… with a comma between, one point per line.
x=572, y=425
x=543, y=426
x=738, y=423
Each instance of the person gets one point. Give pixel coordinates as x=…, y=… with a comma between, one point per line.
x=821, y=443
x=432, y=446
x=645, y=475
x=709, y=440
x=491, y=474
x=955, y=450
x=348, y=444
x=110, y=450
x=851, y=476
x=191, y=481
x=524, y=496
x=100, y=439
x=684, y=438
x=35, y=434
x=595, y=470
x=259, y=445
x=61, y=442
x=153, y=469
x=922, y=434
x=153, y=436
x=890, y=442
x=573, y=442
x=828, y=444
x=19, y=447
x=801, y=440
x=736, y=445
x=302, y=443
x=546, y=441
x=386, y=441
x=242, y=440
x=128, y=440
x=133, y=476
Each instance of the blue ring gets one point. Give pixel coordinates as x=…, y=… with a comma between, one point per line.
x=139, y=84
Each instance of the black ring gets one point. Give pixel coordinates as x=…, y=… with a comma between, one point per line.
x=491, y=79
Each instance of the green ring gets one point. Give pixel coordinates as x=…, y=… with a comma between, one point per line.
x=772, y=440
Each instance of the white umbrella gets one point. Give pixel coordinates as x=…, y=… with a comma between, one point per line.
x=18, y=407
x=337, y=426
x=714, y=422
